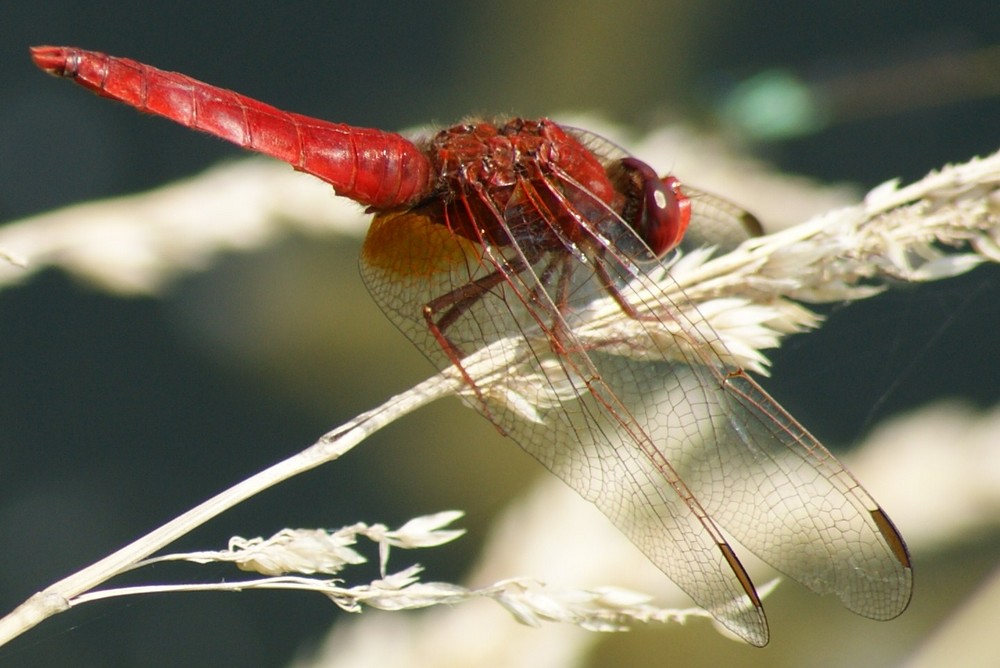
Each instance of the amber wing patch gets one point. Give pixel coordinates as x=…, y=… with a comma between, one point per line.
x=411, y=244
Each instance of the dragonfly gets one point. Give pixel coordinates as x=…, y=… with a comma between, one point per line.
x=519, y=230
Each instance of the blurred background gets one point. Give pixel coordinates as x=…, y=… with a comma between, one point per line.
x=116, y=414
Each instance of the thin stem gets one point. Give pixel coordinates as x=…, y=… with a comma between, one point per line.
x=61, y=595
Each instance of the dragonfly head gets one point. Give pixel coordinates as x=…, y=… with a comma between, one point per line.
x=656, y=209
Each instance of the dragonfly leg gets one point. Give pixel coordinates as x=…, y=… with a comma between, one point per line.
x=442, y=312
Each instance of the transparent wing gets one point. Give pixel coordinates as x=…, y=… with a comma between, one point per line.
x=717, y=222
x=664, y=438
x=554, y=404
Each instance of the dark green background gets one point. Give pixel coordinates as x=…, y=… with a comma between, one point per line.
x=116, y=416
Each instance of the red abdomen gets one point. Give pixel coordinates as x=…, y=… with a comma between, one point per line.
x=373, y=167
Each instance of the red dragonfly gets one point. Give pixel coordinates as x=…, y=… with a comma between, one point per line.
x=515, y=230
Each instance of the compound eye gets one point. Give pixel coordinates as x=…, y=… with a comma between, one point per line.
x=660, y=212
